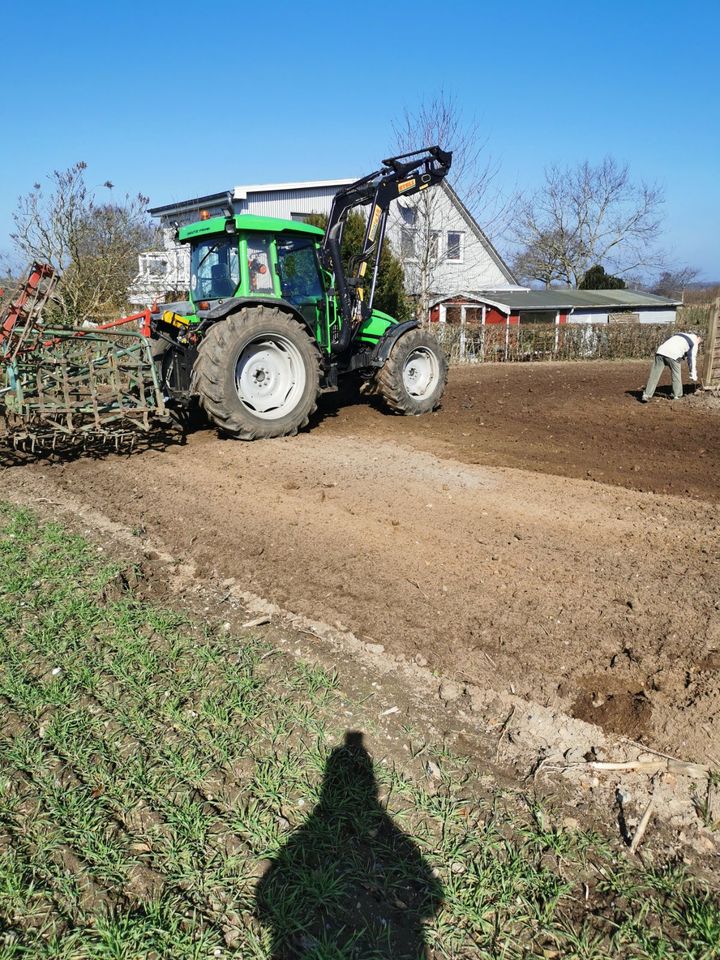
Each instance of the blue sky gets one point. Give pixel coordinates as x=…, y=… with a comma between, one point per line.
x=178, y=99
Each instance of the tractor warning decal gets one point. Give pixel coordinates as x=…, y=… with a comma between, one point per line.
x=406, y=185
x=374, y=221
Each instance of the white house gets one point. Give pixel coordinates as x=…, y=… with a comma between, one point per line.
x=436, y=234
x=463, y=257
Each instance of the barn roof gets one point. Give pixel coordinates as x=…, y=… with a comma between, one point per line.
x=241, y=191
x=562, y=299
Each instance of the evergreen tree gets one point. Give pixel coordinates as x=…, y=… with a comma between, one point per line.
x=597, y=279
x=390, y=296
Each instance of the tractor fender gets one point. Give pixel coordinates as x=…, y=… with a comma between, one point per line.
x=381, y=350
x=233, y=304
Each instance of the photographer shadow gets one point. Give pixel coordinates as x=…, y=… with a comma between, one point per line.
x=348, y=882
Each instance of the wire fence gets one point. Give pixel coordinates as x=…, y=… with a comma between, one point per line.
x=549, y=341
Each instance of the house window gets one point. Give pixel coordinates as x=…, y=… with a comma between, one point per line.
x=435, y=245
x=153, y=266
x=409, y=215
x=407, y=243
x=537, y=316
x=455, y=244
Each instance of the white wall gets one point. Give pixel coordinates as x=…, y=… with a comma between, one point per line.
x=284, y=203
x=477, y=269
x=646, y=315
x=658, y=316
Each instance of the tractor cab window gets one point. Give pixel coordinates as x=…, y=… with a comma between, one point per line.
x=214, y=269
x=259, y=269
x=298, y=270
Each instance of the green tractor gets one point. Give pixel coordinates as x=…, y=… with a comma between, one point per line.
x=274, y=319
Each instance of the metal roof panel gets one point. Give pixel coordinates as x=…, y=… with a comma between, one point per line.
x=562, y=299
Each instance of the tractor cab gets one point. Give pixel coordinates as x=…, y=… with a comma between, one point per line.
x=249, y=258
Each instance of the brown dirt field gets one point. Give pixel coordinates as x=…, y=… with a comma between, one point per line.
x=478, y=537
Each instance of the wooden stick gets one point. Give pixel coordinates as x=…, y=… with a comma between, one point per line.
x=642, y=826
x=676, y=767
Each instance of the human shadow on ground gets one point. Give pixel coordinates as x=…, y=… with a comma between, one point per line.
x=348, y=883
x=663, y=392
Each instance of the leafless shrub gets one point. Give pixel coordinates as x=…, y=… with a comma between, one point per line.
x=93, y=244
x=695, y=317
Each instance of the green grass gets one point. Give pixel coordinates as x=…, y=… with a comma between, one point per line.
x=167, y=790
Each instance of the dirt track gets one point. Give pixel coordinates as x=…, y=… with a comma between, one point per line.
x=416, y=535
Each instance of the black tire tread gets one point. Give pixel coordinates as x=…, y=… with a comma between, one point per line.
x=210, y=370
x=388, y=382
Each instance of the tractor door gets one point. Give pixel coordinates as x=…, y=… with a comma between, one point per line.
x=259, y=265
x=301, y=284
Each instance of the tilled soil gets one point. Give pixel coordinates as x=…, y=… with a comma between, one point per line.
x=478, y=538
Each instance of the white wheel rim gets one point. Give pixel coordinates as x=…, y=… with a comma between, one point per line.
x=270, y=377
x=421, y=372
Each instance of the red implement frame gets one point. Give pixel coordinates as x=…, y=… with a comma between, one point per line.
x=26, y=308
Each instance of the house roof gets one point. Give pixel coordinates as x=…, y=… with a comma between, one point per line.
x=241, y=191
x=210, y=200
x=565, y=299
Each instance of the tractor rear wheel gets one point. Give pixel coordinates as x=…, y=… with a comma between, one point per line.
x=257, y=374
x=413, y=378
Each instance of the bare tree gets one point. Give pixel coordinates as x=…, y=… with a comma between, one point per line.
x=8, y=280
x=93, y=244
x=585, y=215
x=672, y=283
x=423, y=219
x=540, y=258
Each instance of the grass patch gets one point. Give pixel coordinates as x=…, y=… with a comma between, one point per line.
x=167, y=790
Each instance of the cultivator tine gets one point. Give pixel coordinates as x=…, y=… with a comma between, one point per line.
x=73, y=388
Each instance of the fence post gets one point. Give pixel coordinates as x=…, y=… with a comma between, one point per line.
x=711, y=376
x=462, y=332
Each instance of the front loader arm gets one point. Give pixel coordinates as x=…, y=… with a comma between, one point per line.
x=403, y=175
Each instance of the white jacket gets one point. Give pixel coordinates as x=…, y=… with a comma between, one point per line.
x=682, y=346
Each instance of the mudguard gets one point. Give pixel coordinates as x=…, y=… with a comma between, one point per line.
x=381, y=350
x=232, y=304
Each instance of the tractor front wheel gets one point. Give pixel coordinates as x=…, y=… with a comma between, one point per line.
x=413, y=378
x=257, y=374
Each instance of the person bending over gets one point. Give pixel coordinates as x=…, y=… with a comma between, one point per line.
x=681, y=346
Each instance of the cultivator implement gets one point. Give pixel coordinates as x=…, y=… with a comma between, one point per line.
x=64, y=388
